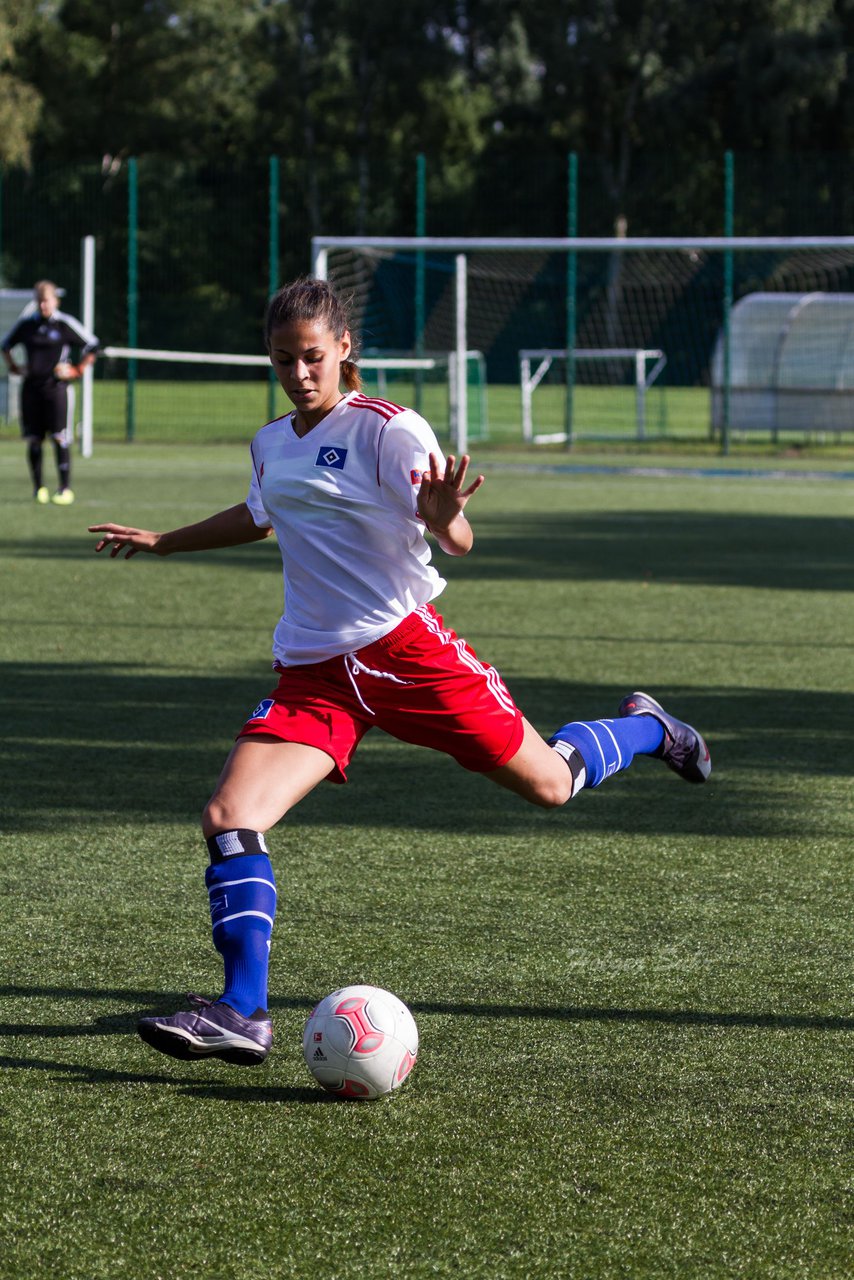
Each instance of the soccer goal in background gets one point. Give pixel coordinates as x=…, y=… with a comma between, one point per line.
x=429, y=383
x=428, y=306
x=607, y=373
x=501, y=296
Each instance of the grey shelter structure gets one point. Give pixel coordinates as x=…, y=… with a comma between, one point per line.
x=14, y=303
x=791, y=364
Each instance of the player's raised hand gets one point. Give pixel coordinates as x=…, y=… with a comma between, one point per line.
x=120, y=538
x=442, y=494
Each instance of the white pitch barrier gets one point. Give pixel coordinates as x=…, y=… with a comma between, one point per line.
x=530, y=378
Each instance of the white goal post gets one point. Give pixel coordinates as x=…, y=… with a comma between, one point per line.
x=442, y=365
x=684, y=254
x=466, y=297
x=545, y=357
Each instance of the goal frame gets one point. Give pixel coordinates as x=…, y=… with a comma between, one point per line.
x=461, y=246
x=377, y=362
x=546, y=356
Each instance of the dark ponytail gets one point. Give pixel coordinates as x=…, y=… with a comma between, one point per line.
x=310, y=300
x=350, y=375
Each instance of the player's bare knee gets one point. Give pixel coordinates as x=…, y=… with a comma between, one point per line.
x=551, y=793
x=216, y=817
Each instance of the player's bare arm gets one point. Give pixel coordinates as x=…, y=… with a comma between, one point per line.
x=229, y=528
x=441, y=499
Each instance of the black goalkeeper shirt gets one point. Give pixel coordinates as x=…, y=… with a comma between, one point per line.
x=49, y=342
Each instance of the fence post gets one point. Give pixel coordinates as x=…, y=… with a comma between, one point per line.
x=420, y=230
x=571, y=292
x=460, y=432
x=273, y=276
x=87, y=291
x=729, y=221
x=132, y=299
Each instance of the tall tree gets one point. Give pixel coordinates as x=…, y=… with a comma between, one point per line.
x=20, y=101
x=356, y=93
x=118, y=77
x=625, y=76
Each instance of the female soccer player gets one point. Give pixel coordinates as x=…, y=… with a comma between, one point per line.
x=351, y=484
x=47, y=336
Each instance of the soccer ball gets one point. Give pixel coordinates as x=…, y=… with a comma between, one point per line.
x=360, y=1042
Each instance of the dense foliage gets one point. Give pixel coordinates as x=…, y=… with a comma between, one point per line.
x=492, y=91
x=493, y=94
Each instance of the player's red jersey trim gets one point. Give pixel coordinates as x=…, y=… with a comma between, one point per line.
x=282, y=418
x=380, y=445
x=254, y=463
x=385, y=408
x=379, y=448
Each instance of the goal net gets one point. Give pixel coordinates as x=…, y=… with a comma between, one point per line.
x=508, y=301
x=640, y=318
x=428, y=382
x=627, y=339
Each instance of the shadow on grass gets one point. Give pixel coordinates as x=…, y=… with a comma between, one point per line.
x=809, y=553
x=185, y=1085
x=738, y=549
x=134, y=746
x=148, y=1002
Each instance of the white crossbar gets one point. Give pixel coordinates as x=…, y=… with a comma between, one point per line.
x=213, y=357
x=183, y=357
x=554, y=244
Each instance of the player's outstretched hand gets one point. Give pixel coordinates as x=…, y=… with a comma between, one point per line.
x=119, y=537
x=442, y=496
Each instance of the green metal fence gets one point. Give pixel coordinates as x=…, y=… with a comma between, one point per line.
x=187, y=253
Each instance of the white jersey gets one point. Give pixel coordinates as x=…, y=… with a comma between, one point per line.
x=342, y=502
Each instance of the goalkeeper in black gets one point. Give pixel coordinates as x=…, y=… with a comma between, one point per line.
x=48, y=336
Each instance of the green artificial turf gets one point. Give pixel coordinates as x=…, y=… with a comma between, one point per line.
x=228, y=410
x=635, y=1013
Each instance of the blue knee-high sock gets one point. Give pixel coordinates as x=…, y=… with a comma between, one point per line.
x=607, y=746
x=242, y=893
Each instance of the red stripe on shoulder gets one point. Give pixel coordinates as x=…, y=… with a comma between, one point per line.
x=385, y=408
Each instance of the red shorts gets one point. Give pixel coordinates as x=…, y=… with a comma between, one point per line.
x=420, y=683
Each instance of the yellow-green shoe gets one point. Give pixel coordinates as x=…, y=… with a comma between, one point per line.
x=42, y=496
x=63, y=498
